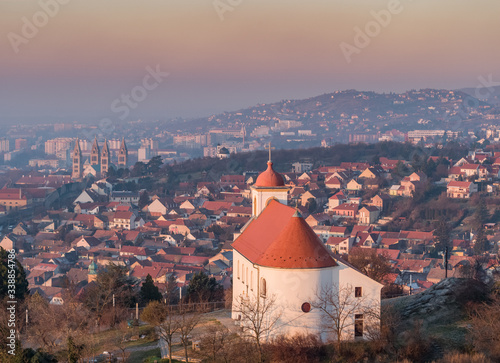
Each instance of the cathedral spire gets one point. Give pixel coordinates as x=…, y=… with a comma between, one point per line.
x=77, y=148
x=123, y=155
x=105, y=158
x=76, y=158
x=95, y=155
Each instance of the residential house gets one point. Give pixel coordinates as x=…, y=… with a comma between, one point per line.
x=381, y=201
x=354, y=187
x=125, y=197
x=318, y=196
x=349, y=210
x=14, y=198
x=336, y=200
x=86, y=242
x=461, y=189
x=125, y=220
x=368, y=214
x=87, y=196
x=340, y=245
x=182, y=226
x=372, y=172
x=333, y=183
x=155, y=208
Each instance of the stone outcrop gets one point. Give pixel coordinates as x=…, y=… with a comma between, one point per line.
x=445, y=299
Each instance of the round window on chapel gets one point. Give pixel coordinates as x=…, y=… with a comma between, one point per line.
x=306, y=307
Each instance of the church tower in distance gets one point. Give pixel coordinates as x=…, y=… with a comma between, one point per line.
x=77, y=161
x=95, y=155
x=105, y=158
x=123, y=155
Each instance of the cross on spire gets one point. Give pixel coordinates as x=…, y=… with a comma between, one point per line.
x=270, y=148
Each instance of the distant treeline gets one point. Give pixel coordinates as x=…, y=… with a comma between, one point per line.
x=166, y=179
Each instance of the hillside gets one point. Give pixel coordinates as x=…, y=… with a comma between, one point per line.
x=334, y=114
x=438, y=314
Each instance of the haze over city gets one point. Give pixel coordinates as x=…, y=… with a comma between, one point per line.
x=226, y=57
x=249, y=181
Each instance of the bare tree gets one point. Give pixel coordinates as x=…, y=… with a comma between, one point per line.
x=259, y=318
x=343, y=309
x=189, y=318
x=91, y=343
x=215, y=343
x=121, y=339
x=43, y=329
x=373, y=265
x=484, y=327
x=165, y=322
x=72, y=320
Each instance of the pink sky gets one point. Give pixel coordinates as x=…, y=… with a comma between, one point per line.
x=92, y=51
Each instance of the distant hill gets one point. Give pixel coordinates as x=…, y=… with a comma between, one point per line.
x=492, y=96
x=340, y=113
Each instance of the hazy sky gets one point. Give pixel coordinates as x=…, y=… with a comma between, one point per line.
x=91, y=52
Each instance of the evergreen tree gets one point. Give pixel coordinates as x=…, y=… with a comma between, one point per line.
x=111, y=282
x=154, y=164
x=172, y=293
x=143, y=199
x=149, y=291
x=480, y=215
x=74, y=351
x=311, y=205
x=204, y=289
x=442, y=235
x=20, y=283
x=139, y=169
x=481, y=244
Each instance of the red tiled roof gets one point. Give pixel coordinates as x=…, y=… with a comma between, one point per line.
x=123, y=215
x=335, y=241
x=216, y=205
x=12, y=193
x=347, y=206
x=470, y=166
x=337, y=229
x=459, y=184
x=281, y=238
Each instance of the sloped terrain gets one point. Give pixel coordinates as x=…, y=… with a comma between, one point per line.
x=440, y=313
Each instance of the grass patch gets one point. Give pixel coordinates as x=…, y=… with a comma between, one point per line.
x=450, y=337
x=145, y=355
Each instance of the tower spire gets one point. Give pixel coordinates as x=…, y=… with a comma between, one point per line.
x=77, y=160
x=270, y=148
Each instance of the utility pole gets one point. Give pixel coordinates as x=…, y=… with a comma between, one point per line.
x=446, y=262
x=410, y=282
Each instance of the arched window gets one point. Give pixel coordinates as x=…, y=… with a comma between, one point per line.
x=251, y=280
x=246, y=276
x=243, y=273
x=263, y=287
x=238, y=270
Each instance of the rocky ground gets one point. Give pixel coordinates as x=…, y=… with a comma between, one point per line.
x=438, y=314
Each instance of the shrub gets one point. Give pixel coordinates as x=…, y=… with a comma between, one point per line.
x=298, y=348
x=464, y=358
